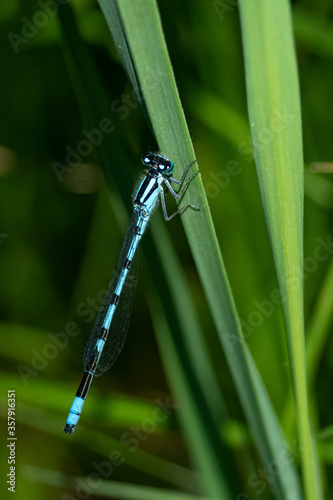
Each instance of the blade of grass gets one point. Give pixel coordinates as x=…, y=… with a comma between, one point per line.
x=187, y=317
x=317, y=336
x=108, y=489
x=94, y=104
x=140, y=27
x=169, y=306
x=273, y=100
x=319, y=326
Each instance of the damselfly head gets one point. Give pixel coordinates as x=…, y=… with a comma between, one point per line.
x=159, y=162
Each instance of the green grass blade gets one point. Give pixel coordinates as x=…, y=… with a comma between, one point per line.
x=141, y=27
x=317, y=337
x=319, y=327
x=107, y=489
x=170, y=310
x=94, y=104
x=275, y=119
x=187, y=317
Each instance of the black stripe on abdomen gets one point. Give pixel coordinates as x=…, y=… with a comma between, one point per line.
x=127, y=264
x=115, y=300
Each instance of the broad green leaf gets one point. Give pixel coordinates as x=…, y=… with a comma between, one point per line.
x=275, y=121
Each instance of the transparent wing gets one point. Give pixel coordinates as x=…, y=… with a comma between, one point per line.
x=120, y=322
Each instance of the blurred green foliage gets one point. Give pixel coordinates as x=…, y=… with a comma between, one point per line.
x=59, y=242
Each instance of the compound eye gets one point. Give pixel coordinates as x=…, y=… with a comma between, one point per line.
x=148, y=159
x=169, y=166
